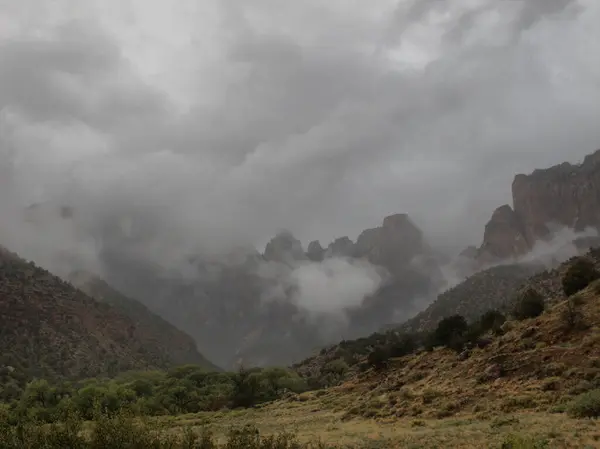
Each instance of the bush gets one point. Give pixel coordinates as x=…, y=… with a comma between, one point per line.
x=571, y=316
x=520, y=442
x=402, y=345
x=586, y=405
x=491, y=320
x=451, y=331
x=579, y=275
x=529, y=305
x=123, y=432
x=379, y=357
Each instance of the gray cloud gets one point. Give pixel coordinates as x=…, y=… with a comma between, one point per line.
x=316, y=118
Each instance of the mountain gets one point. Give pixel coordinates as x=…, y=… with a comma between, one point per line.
x=278, y=306
x=150, y=329
x=49, y=328
x=537, y=365
x=246, y=308
x=494, y=289
x=563, y=196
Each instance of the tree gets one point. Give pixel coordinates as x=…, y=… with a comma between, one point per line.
x=245, y=388
x=450, y=331
x=402, y=345
x=491, y=320
x=529, y=305
x=378, y=358
x=579, y=275
x=571, y=314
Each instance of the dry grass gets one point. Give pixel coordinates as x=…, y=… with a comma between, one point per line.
x=312, y=422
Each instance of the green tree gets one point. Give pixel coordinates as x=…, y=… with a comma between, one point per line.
x=451, y=331
x=579, y=275
x=378, y=358
x=245, y=388
x=529, y=305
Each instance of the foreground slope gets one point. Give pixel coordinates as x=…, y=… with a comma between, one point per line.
x=48, y=328
x=517, y=392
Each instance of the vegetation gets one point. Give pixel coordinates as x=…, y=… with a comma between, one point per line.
x=186, y=389
x=571, y=315
x=579, y=275
x=530, y=304
x=124, y=432
x=450, y=332
x=52, y=330
x=586, y=405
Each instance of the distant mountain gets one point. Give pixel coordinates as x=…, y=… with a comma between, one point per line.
x=49, y=328
x=255, y=308
x=242, y=308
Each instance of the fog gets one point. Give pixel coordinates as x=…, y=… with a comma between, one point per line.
x=174, y=129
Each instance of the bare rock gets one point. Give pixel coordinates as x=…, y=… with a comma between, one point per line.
x=504, y=236
x=392, y=245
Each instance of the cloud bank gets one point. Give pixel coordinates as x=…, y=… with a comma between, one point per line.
x=197, y=126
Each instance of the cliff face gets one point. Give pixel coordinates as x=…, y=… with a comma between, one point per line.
x=565, y=195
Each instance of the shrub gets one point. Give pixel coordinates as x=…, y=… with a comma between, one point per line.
x=571, y=315
x=529, y=305
x=379, y=357
x=450, y=332
x=586, y=405
x=579, y=275
x=520, y=442
x=402, y=345
x=491, y=320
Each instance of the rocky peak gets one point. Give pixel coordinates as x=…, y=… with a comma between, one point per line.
x=315, y=251
x=503, y=236
x=340, y=247
x=564, y=195
x=284, y=247
x=393, y=244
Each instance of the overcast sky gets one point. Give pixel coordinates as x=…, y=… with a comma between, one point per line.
x=227, y=120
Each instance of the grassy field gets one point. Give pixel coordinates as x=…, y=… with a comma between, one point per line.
x=312, y=422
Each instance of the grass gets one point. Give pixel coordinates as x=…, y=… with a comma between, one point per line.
x=312, y=421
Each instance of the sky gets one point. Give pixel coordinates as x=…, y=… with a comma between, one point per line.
x=214, y=123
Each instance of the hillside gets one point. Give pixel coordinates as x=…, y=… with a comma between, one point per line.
x=494, y=289
x=150, y=328
x=529, y=386
x=485, y=290
x=50, y=329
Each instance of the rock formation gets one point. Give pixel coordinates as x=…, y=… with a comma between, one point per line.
x=340, y=247
x=503, y=237
x=284, y=247
x=565, y=195
x=393, y=245
x=315, y=251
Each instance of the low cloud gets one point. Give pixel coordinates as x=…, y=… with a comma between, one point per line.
x=323, y=289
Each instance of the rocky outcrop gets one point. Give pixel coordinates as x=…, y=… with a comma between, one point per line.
x=340, y=247
x=564, y=195
x=284, y=247
x=544, y=201
x=315, y=251
x=503, y=236
x=393, y=245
